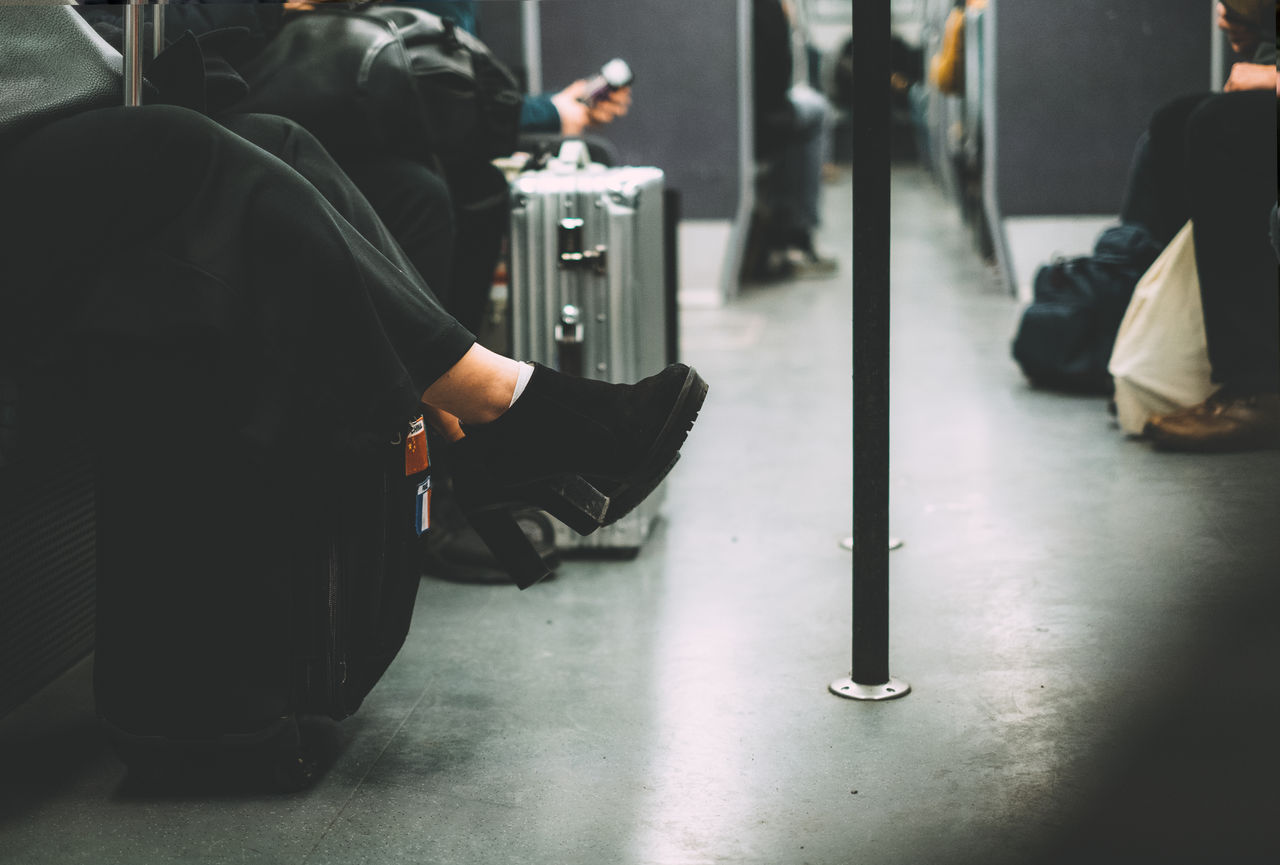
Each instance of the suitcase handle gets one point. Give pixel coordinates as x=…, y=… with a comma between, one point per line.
x=573, y=157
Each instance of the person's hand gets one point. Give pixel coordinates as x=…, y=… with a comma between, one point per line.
x=1242, y=38
x=576, y=116
x=1251, y=76
x=613, y=105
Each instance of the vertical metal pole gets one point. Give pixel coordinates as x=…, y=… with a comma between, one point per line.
x=133, y=52
x=869, y=678
x=1217, y=54
x=531, y=36
x=157, y=27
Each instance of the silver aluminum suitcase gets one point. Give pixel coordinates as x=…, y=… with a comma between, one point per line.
x=587, y=290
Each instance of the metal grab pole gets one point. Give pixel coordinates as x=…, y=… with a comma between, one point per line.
x=133, y=53
x=157, y=27
x=869, y=678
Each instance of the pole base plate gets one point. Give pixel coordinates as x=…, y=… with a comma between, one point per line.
x=894, y=543
x=851, y=690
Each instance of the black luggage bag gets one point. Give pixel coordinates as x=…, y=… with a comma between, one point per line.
x=1065, y=336
x=241, y=587
x=235, y=598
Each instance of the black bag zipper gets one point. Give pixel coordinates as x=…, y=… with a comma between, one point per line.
x=335, y=663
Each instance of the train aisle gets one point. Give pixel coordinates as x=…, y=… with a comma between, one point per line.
x=1087, y=626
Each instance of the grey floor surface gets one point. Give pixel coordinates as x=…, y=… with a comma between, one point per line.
x=1089, y=629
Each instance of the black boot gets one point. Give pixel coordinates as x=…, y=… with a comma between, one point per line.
x=621, y=439
x=586, y=451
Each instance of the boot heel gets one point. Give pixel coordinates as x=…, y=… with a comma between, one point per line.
x=503, y=537
x=567, y=497
x=573, y=501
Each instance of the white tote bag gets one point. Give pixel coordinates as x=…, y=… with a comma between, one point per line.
x=1160, y=362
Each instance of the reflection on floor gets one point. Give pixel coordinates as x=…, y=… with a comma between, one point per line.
x=1087, y=626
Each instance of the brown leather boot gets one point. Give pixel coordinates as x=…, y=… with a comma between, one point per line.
x=1221, y=423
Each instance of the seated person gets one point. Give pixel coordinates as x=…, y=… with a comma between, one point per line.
x=546, y=118
x=478, y=190
x=1211, y=158
x=270, y=306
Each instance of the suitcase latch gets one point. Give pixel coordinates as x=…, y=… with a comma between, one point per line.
x=569, y=340
x=569, y=327
x=572, y=255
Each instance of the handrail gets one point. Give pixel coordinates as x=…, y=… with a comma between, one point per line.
x=132, y=48
x=157, y=28
x=132, y=51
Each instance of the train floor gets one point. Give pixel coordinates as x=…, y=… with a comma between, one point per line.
x=1088, y=628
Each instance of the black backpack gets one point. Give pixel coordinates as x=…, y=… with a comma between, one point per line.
x=1065, y=338
x=387, y=79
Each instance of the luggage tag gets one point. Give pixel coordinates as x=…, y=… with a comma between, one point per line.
x=417, y=460
x=422, y=511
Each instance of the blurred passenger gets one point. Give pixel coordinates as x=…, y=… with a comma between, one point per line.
x=566, y=113
x=1250, y=26
x=1211, y=158
x=792, y=136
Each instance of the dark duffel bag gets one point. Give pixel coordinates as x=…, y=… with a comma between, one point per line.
x=236, y=601
x=1066, y=334
x=52, y=65
x=372, y=79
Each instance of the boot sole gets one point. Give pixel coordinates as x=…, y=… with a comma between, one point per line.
x=1185, y=444
x=663, y=455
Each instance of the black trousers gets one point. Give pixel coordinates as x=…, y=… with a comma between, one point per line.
x=1211, y=158
x=482, y=208
x=244, y=284
x=415, y=205
x=450, y=225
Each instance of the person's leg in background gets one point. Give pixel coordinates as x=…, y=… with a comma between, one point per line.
x=1231, y=183
x=481, y=210
x=1156, y=196
x=399, y=206
x=415, y=205
x=1231, y=152
x=794, y=185
x=814, y=122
